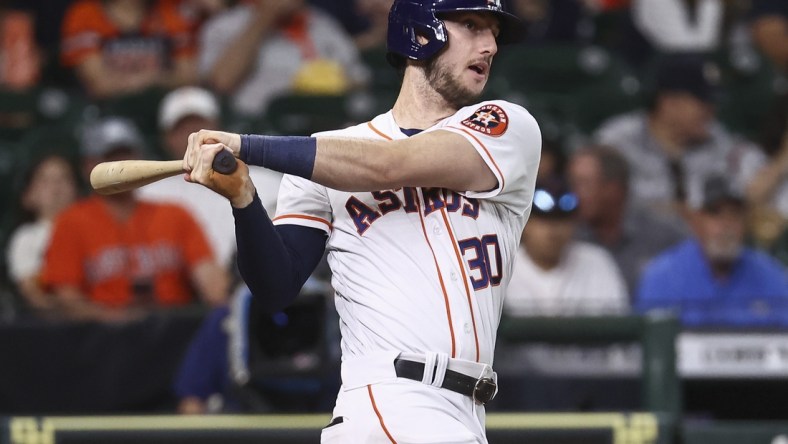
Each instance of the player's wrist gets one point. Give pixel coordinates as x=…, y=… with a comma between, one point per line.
x=245, y=196
x=288, y=155
x=235, y=145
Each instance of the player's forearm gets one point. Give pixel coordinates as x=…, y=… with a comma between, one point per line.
x=438, y=159
x=273, y=270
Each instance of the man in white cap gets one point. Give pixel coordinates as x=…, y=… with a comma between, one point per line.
x=183, y=111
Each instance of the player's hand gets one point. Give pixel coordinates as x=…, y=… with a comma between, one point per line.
x=231, y=141
x=236, y=187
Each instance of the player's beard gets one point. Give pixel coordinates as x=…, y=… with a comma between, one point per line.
x=448, y=85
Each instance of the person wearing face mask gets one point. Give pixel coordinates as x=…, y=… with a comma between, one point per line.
x=712, y=278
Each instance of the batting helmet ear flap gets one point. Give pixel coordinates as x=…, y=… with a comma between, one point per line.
x=408, y=20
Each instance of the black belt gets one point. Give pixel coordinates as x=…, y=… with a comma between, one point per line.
x=481, y=390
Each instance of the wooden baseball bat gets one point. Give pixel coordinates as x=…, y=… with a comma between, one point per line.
x=124, y=175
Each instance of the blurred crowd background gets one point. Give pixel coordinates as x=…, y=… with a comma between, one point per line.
x=663, y=188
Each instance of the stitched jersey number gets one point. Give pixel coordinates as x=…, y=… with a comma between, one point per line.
x=484, y=260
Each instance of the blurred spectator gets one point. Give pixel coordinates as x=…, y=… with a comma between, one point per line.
x=49, y=187
x=113, y=258
x=118, y=47
x=632, y=233
x=365, y=20
x=552, y=162
x=203, y=383
x=263, y=48
x=712, y=278
x=674, y=144
x=556, y=21
x=680, y=25
x=769, y=28
x=555, y=275
x=20, y=60
x=770, y=185
x=779, y=246
x=768, y=190
x=376, y=14
x=183, y=111
x=197, y=12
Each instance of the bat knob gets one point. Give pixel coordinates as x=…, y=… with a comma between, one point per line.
x=224, y=162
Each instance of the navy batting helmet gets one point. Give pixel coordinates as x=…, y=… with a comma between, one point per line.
x=411, y=18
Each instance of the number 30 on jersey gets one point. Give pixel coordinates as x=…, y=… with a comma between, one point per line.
x=484, y=260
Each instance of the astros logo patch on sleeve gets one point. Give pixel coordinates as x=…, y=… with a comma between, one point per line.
x=489, y=119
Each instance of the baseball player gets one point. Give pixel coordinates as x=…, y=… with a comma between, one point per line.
x=421, y=211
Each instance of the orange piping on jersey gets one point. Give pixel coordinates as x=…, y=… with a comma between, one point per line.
x=377, y=131
x=440, y=279
x=503, y=181
x=301, y=216
x=380, y=418
x=437, y=268
x=464, y=277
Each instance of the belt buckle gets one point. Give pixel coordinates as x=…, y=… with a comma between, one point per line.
x=484, y=390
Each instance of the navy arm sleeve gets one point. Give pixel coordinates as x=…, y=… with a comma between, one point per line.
x=275, y=262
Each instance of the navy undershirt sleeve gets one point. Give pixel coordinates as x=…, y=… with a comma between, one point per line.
x=275, y=262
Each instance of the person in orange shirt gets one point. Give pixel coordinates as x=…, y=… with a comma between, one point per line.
x=118, y=47
x=114, y=258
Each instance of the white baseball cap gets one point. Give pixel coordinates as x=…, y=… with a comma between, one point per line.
x=187, y=101
x=111, y=133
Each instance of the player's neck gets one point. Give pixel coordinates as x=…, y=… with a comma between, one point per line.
x=418, y=105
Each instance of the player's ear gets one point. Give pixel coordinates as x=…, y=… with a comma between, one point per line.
x=421, y=38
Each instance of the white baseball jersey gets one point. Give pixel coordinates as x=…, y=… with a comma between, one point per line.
x=425, y=269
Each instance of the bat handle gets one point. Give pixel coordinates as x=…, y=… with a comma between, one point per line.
x=224, y=162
